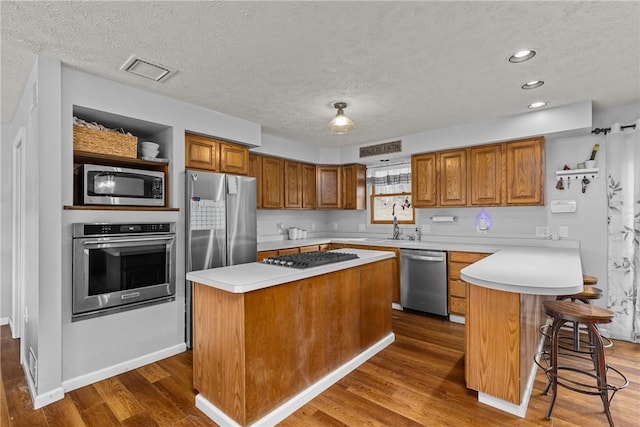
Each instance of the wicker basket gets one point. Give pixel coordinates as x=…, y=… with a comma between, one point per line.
x=104, y=142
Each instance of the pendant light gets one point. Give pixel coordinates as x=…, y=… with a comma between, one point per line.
x=340, y=123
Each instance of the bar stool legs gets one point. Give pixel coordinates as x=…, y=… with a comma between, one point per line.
x=561, y=313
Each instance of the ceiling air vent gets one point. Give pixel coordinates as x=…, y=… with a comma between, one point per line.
x=148, y=69
x=378, y=149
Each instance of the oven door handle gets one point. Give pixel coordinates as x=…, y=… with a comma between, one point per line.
x=120, y=241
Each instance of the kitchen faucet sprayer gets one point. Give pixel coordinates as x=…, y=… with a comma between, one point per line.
x=396, y=229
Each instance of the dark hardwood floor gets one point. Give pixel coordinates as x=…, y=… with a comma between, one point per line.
x=417, y=381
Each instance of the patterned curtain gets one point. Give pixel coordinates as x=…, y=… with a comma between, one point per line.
x=390, y=179
x=623, y=193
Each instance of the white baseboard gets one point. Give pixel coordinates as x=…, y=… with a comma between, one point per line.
x=4, y=321
x=521, y=409
x=457, y=319
x=299, y=400
x=396, y=306
x=40, y=400
x=110, y=371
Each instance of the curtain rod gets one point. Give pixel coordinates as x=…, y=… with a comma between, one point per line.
x=597, y=131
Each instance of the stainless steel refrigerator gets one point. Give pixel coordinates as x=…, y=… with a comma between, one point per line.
x=220, y=223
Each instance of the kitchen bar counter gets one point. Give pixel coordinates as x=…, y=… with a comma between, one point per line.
x=533, y=271
x=505, y=292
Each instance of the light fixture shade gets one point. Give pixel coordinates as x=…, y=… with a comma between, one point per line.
x=340, y=123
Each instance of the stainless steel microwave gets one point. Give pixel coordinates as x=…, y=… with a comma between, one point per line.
x=108, y=185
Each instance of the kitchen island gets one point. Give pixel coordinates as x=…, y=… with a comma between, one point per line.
x=503, y=316
x=267, y=339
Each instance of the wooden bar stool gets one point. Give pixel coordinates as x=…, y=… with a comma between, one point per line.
x=561, y=312
x=589, y=292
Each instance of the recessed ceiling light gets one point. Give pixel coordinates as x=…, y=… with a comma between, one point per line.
x=538, y=104
x=533, y=84
x=522, y=55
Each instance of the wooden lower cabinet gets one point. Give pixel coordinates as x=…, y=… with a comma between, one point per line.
x=254, y=351
x=395, y=277
x=310, y=248
x=501, y=338
x=457, y=288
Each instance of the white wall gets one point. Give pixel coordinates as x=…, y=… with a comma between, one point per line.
x=6, y=170
x=67, y=350
x=589, y=223
x=94, y=344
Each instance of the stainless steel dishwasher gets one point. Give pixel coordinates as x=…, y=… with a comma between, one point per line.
x=423, y=280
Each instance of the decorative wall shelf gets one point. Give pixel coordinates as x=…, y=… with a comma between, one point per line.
x=578, y=174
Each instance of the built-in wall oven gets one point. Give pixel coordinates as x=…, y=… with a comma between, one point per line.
x=121, y=266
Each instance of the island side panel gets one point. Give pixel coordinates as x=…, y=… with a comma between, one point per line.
x=376, y=289
x=219, y=349
x=493, y=343
x=296, y=333
x=531, y=318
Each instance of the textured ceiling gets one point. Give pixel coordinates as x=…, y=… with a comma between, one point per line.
x=403, y=67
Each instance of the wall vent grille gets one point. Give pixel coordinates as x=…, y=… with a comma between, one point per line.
x=381, y=149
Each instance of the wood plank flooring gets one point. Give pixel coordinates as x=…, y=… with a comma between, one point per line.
x=417, y=381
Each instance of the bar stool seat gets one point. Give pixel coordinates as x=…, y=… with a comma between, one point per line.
x=561, y=312
x=588, y=293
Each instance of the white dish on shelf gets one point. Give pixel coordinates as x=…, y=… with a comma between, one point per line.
x=149, y=144
x=150, y=153
x=154, y=159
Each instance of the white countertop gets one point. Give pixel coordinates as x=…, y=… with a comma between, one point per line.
x=529, y=270
x=253, y=276
x=486, y=244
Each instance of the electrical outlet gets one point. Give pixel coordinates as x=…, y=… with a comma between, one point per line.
x=542, y=231
x=426, y=228
x=313, y=226
x=334, y=226
x=362, y=227
x=563, y=231
x=279, y=227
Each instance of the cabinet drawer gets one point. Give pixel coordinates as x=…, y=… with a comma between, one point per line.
x=457, y=305
x=266, y=254
x=457, y=288
x=468, y=257
x=454, y=269
x=289, y=251
x=311, y=248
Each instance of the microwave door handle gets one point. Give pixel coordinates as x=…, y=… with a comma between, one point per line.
x=119, y=241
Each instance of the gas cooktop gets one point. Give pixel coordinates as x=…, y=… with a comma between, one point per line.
x=309, y=259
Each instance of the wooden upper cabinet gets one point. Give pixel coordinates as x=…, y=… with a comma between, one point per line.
x=423, y=180
x=354, y=186
x=272, y=183
x=292, y=184
x=255, y=170
x=234, y=158
x=308, y=186
x=201, y=152
x=452, y=177
x=328, y=185
x=525, y=172
x=485, y=177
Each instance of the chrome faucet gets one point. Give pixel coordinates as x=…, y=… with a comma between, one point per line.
x=396, y=229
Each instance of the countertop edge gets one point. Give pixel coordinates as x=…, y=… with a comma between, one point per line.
x=282, y=274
